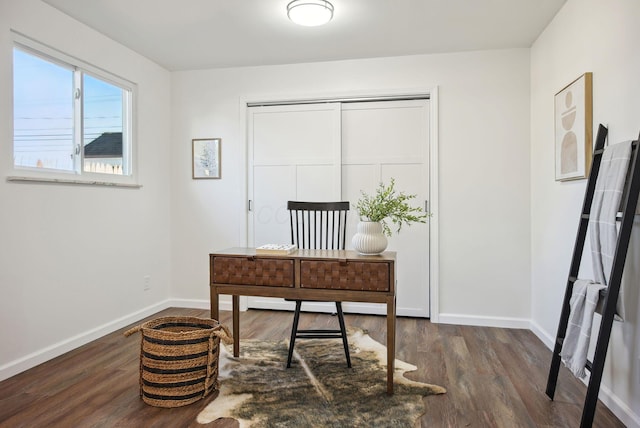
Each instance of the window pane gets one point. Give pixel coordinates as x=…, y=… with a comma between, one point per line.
x=103, y=126
x=42, y=113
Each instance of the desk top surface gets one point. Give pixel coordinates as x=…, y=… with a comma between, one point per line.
x=315, y=254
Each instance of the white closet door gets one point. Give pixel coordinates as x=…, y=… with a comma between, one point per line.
x=381, y=140
x=294, y=154
x=332, y=152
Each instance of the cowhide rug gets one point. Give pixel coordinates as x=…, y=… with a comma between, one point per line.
x=318, y=390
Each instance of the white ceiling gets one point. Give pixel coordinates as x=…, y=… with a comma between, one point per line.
x=198, y=34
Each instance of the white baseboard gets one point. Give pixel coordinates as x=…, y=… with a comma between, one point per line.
x=190, y=303
x=608, y=398
x=618, y=407
x=546, y=338
x=225, y=305
x=503, y=322
x=31, y=360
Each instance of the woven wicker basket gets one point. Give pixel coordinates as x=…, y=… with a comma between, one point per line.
x=179, y=359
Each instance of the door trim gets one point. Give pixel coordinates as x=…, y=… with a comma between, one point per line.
x=434, y=203
x=434, y=208
x=344, y=100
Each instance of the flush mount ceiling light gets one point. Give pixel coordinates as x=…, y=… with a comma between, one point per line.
x=310, y=13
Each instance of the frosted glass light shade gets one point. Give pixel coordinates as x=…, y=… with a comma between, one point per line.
x=310, y=13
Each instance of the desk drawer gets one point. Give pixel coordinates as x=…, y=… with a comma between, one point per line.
x=253, y=271
x=349, y=275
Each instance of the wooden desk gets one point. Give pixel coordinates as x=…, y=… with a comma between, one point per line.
x=325, y=275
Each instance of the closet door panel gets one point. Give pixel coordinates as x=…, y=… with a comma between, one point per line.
x=293, y=154
x=412, y=242
x=381, y=132
x=316, y=183
x=388, y=140
x=274, y=185
x=289, y=135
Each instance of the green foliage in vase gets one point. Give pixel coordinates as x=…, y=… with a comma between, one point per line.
x=387, y=204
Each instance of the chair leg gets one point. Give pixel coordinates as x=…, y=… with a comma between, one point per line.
x=294, y=331
x=344, y=333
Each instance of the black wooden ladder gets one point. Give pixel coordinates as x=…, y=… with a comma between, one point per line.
x=610, y=294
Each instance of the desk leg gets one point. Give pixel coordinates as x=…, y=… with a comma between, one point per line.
x=236, y=325
x=391, y=342
x=215, y=307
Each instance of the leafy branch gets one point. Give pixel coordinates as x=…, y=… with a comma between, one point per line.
x=387, y=204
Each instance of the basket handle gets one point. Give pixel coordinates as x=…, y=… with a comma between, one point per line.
x=224, y=334
x=133, y=330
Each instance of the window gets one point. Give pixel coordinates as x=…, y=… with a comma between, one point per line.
x=68, y=116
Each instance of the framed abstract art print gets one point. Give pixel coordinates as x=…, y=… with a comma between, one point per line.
x=574, y=129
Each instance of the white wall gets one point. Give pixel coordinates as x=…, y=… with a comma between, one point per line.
x=73, y=258
x=484, y=167
x=601, y=37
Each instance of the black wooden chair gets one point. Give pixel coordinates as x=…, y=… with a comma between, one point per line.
x=318, y=225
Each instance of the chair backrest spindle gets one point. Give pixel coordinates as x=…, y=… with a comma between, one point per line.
x=318, y=225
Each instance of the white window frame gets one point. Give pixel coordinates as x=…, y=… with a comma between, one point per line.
x=78, y=175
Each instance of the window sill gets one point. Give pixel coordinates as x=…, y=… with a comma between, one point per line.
x=16, y=178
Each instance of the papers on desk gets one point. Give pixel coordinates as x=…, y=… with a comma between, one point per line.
x=276, y=249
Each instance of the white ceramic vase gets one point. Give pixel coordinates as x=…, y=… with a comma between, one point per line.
x=369, y=238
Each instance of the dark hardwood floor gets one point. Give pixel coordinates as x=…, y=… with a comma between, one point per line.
x=494, y=378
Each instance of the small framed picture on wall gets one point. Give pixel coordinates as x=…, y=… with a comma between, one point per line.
x=205, y=153
x=574, y=129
